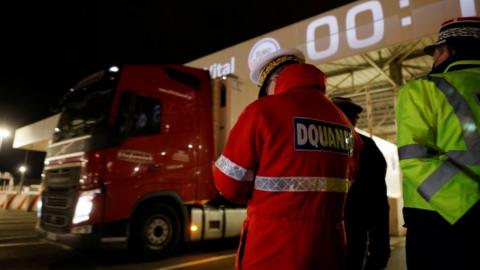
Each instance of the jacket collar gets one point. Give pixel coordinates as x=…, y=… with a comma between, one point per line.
x=456, y=62
x=462, y=64
x=300, y=76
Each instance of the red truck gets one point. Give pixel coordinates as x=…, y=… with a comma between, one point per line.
x=131, y=161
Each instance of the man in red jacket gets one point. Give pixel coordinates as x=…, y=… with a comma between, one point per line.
x=291, y=157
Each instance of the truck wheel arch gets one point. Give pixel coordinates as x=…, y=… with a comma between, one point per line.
x=168, y=198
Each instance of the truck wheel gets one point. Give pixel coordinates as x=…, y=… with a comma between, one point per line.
x=157, y=232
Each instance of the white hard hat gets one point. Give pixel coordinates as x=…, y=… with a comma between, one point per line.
x=261, y=62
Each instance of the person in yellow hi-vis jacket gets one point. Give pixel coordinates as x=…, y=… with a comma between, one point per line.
x=438, y=120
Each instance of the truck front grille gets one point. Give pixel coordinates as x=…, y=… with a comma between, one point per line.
x=58, y=198
x=62, y=176
x=53, y=220
x=59, y=203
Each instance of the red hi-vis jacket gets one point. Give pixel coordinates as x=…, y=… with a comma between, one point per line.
x=291, y=157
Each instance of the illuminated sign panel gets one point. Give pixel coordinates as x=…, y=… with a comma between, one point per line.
x=221, y=69
x=352, y=29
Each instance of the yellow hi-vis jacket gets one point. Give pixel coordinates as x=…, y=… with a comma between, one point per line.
x=438, y=137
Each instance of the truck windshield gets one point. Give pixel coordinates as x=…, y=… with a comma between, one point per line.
x=86, y=107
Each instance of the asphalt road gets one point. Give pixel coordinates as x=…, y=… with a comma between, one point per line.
x=21, y=249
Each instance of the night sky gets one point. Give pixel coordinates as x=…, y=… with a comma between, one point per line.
x=45, y=48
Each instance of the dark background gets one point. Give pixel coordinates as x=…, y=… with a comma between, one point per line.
x=45, y=48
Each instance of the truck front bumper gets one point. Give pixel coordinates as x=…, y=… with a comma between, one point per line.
x=81, y=241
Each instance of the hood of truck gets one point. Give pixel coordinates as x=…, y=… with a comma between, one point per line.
x=71, y=161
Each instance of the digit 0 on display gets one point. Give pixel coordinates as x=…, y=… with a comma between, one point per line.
x=468, y=8
x=352, y=37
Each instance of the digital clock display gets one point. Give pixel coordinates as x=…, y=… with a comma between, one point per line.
x=375, y=24
x=353, y=29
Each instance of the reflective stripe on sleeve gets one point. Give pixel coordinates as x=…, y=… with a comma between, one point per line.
x=301, y=184
x=233, y=170
x=446, y=171
x=415, y=151
x=463, y=157
x=436, y=180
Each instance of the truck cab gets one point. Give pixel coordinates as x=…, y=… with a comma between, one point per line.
x=130, y=161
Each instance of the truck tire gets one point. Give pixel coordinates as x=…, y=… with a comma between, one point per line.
x=157, y=232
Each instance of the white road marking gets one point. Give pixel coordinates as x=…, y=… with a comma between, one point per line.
x=21, y=244
x=18, y=237
x=182, y=265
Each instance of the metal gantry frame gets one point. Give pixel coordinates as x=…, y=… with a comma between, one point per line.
x=373, y=80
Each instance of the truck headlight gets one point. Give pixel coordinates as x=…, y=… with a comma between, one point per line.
x=39, y=207
x=85, y=205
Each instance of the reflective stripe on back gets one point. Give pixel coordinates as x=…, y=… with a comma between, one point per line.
x=462, y=111
x=301, y=184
